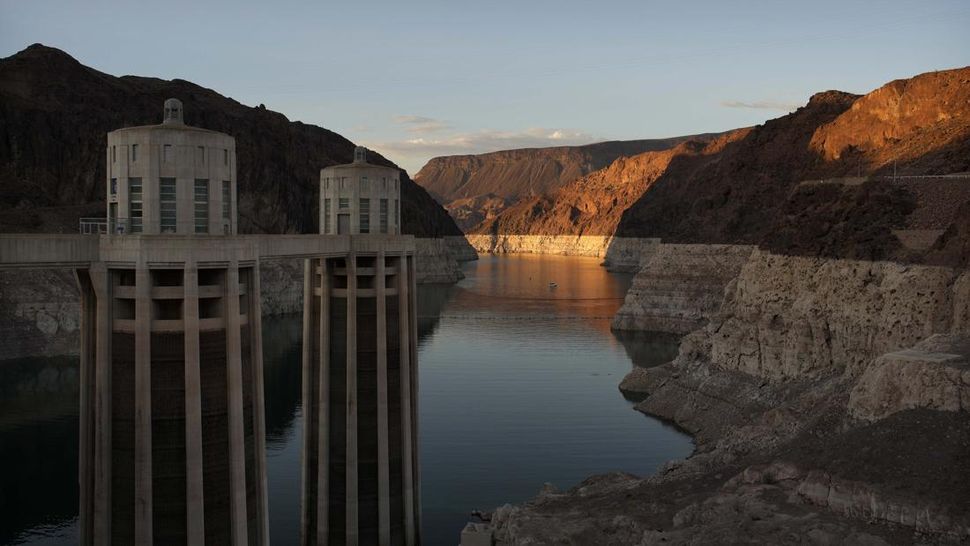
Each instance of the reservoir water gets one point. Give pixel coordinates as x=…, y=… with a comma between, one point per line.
x=518, y=387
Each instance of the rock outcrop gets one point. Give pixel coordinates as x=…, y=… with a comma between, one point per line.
x=620, y=253
x=934, y=374
x=39, y=313
x=678, y=287
x=460, y=248
x=435, y=262
x=827, y=399
x=801, y=318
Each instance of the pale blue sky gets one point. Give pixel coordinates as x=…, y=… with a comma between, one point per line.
x=417, y=79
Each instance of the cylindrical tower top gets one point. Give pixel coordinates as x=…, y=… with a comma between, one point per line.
x=173, y=112
x=360, y=197
x=171, y=178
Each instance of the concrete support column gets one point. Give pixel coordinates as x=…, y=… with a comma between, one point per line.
x=237, y=443
x=413, y=345
x=101, y=284
x=323, y=411
x=309, y=270
x=383, y=461
x=143, y=404
x=406, y=436
x=86, y=440
x=194, y=497
x=352, y=493
x=259, y=402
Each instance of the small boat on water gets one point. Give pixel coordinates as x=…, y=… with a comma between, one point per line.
x=552, y=284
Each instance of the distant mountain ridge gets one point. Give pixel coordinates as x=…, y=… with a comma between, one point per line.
x=594, y=203
x=55, y=112
x=794, y=185
x=476, y=187
x=756, y=191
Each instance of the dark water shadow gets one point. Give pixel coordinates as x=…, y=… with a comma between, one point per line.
x=38, y=446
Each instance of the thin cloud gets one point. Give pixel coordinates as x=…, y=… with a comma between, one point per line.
x=414, y=152
x=421, y=124
x=487, y=141
x=761, y=105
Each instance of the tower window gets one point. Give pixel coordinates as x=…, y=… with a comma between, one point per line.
x=201, y=155
x=135, y=204
x=364, y=184
x=326, y=215
x=114, y=155
x=134, y=153
x=226, y=200
x=225, y=157
x=167, y=153
x=343, y=203
x=166, y=205
x=383, y=212
x=114, y=186
x=397, y=212
x=365, y=215
x=201, y=205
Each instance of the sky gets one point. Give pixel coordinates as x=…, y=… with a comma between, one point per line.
x=418, y=79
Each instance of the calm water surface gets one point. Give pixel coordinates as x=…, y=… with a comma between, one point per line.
x=518, y=387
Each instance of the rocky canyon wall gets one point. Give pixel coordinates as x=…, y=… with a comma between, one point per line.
x=791, y=317
x=679, y=287
x=622, y=252
x=828, y=398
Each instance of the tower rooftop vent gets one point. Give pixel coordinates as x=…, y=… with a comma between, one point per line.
x=360, y=154
x=173, y=112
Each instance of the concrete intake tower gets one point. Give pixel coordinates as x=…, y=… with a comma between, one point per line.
x=360, y=475
x=171, y=358
x=172, y=434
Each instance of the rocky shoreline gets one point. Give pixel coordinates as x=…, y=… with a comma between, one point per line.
x=828, y=400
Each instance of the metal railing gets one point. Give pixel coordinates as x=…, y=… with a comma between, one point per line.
x=105, y=226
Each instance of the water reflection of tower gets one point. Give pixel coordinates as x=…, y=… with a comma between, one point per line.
x=171, y=360
x=360, y=475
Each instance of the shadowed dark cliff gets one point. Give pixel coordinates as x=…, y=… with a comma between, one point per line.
x=55, y=112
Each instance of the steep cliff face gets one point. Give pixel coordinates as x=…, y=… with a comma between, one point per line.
x=475, y=188
x=55, y=112
x=679, y=287
x=903, y=120
x=803, y=318
x=828, y=398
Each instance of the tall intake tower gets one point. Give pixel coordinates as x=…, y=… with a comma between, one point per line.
x=360, y=473
x=171, y=423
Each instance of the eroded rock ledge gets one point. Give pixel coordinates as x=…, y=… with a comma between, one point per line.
x=828, y=401
x=623, y=252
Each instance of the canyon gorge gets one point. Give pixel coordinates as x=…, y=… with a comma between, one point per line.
x=815, y=266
